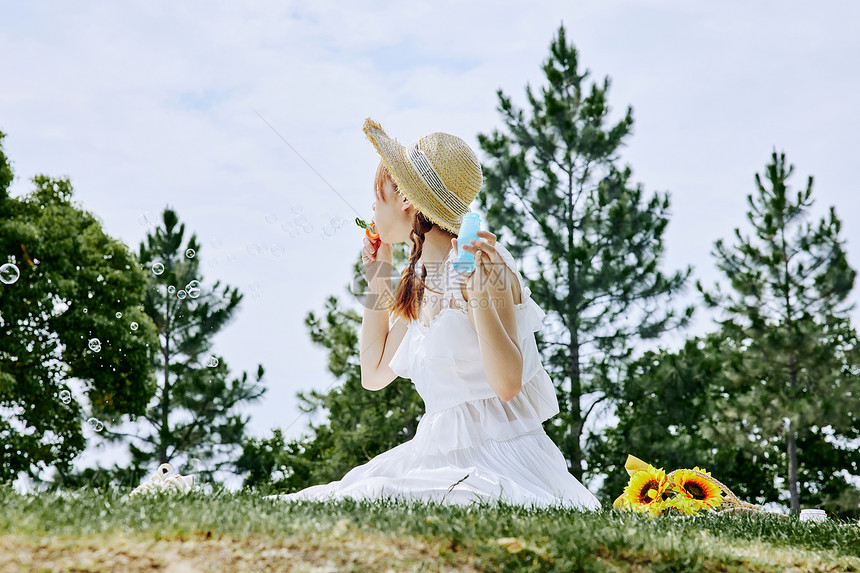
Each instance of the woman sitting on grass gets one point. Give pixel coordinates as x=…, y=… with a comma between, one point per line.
x=470, y=352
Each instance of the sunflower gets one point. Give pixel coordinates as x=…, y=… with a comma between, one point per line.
x=695, y=492
x=645, y=490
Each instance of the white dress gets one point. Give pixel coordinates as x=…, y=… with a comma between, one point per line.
x=500, y=448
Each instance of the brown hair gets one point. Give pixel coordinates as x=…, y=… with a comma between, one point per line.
x=407, y=297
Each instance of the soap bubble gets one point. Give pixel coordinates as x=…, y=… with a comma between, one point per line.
x=296, y=208
x=277, y=249
x=328, y=229
x=96, y=424
x=271, y=218
x=181, y=294
x=157, y=268
x=212, y=362
x=195, y=466
x=133, y=326
x=119, y=315
x=308, y=228
x=85, y=311
x=171, y=289
x=9, y=273
x=255, y=248
x=194, y=292
x=300, y=219
x=95, y=344
x=337, y=221
x=190, y=253
x=192, y=284
x=65, y=396
x=216, y=243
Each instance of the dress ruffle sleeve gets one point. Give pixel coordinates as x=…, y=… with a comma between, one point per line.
x=399, y=363
x=529, y=315
x=529, y=320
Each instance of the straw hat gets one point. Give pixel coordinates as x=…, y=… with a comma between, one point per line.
x=439, y=173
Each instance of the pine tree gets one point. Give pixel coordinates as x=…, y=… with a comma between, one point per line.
x=553, y=189
x=70, y=361
x=795, y=369
x=194, y=413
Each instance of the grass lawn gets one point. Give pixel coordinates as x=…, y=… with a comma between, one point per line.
x=94, y=530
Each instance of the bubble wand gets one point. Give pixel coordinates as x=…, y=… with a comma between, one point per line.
x=369, y=230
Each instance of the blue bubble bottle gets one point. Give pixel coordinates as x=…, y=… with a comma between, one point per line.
x=469, y=227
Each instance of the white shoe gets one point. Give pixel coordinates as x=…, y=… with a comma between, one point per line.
x=163, y=481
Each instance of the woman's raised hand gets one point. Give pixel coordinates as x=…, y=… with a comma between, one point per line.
x=376, y=257
x=482, y=281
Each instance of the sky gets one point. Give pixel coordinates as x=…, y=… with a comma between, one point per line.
x=145, y=105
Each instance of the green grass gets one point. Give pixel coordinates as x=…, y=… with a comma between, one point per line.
x=94, y=530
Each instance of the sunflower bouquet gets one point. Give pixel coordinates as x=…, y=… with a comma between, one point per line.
x=681, y=492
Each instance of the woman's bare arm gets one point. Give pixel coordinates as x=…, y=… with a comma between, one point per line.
x=376, y=344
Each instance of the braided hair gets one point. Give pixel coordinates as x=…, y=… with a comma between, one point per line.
x=410, y=289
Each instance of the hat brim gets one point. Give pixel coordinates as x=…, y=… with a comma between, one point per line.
x=396, y=159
